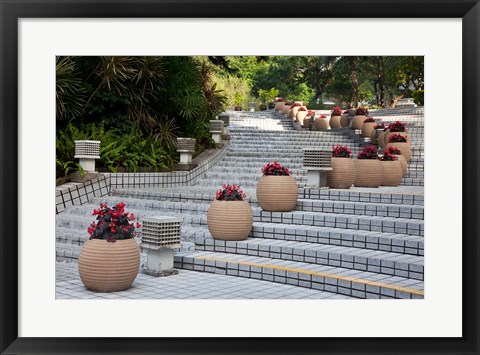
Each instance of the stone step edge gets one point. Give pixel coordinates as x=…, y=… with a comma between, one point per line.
x=300, y=277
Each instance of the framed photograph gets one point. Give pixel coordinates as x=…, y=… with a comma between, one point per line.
x=224, y=157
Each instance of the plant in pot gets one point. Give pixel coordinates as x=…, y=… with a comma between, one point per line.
x=110, y=258
x=368, y=169
x=398, y=153
x=367, y=127
x=293, y=111
x=396, y=127
x=238, y=101
x=391, y=170
x=344, y=121
x=361, y=114
x=229, y=216
x=287, y=107
x=336, y=116
x=343, y=172
x=400, y=142
x=280, y=104
x=277, y=190
x=321, y=123
x=301, y=114
x=376, y=132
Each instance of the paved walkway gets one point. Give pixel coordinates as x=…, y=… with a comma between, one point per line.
x=185, y=285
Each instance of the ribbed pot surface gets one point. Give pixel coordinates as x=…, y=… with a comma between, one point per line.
x=109, y=267
x=403, y=163
x=368, y=173
x=344, y=121
x=343, y=174
x=301, y=116
x=286, y=109
x=367, y=128
x=381, y=140
x=230, y=220
x=320, y=124
x=392, y=173
x=277, y=193
x=357, y=122
x=335, y=122
x=404, y=148
x=279, y=106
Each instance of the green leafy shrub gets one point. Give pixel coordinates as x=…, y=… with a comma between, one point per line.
x=417, y=96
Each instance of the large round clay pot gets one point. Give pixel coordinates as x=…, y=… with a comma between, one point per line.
x=357, y=122
x=368, y=173
x=335, y=122
x=109, y=266
x=277, y=193
x=367, y=128
x=342, y=174
x=280, y=105
x=404, y=148
x=381, y=140
x=389, y=134
x=230, y=220
x=300, y=116
x=307, y=122
x=403, y=163
x=375, y=134
x=392, y=173
x=286, y=109
x=344, y=121
x=320, y=124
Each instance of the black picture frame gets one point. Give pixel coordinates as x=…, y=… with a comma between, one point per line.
x=11, y=11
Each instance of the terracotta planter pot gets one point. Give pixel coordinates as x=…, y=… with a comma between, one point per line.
x=286, y=109
x=344, y=121
x=392, y=173
x=389, y=134
x=230, y=220
x=277, y=193
x=367, y=128
x=374, y=135
x=335, y=122
x=357, y=122
x=300, y=116
x=343, y=174
x=403, y=163
x=109, y=267
x=280, y=105
x=321, y=124
x=368, y=173
x=307, y=122
x=404, y=148
x=381, y=140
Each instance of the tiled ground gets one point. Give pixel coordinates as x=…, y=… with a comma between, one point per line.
x=186, y=285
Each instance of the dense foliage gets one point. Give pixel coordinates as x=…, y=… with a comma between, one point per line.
x=113, y=223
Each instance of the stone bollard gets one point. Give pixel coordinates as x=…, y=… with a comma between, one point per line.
x=317, y=162
x=226, y=122
x=87, y=152
x=216, y=129
x=160, y=236
x=186, y=148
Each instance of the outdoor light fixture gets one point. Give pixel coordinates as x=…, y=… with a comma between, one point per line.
x=317, y=162
x=87, y=152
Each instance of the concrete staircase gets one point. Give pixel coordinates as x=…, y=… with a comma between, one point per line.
x=363, y=243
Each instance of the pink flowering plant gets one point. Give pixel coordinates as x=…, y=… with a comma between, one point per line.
x=341, y=152
x=387, y=156
x=368, y=152
x=361, y=111
x=230, y=193
x=369, y=119
x=275, y=169
x=323, y=116
x=113, y=223
x=397, y=126
x=397, y=138
x=337, y=111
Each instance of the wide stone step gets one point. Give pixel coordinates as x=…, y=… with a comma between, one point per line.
x=356, y=283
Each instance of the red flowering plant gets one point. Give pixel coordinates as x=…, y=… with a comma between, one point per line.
x=387, y=156
x=397, y=126
x=275, y=169
x=302, y=109
x=368, y=152
x=230, y=193
x=369, y=119
x=310, y=113
x=393, y=150
x=341, y=152
x=113, y=223
x=280, y=99
x=288, y=103
x=361, y=111
x=296, y=104
x=379, y=125
x=337, y=111
x=323, y=116
x=345, y=112
x=397, y=138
